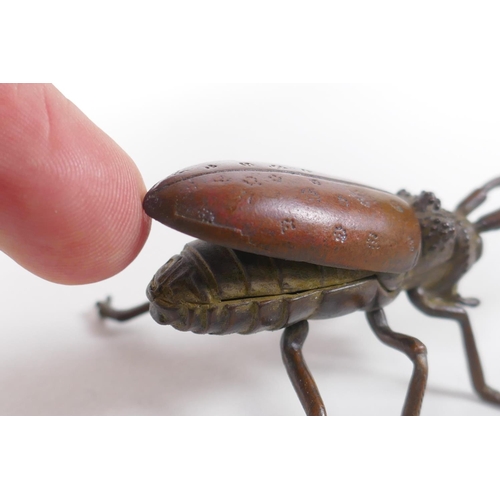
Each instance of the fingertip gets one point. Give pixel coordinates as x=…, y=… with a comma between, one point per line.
x=70, y=197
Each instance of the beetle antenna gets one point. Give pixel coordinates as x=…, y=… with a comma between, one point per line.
x=476, y=198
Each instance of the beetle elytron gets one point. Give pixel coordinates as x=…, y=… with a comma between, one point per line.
x=279, y=246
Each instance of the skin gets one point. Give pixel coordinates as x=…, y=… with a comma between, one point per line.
x=70, y=197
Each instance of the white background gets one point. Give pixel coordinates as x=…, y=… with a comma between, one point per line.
x=58, y=358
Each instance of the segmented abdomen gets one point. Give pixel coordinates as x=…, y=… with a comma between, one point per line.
x=213, y=289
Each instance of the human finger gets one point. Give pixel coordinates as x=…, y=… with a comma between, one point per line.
x=70, y=197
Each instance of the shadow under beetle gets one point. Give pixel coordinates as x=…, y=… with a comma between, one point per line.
x=279, y=246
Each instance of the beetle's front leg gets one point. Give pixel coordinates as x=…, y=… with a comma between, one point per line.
x=107, y=311
x=414, y=349
x=292, y=342
x=437, y=308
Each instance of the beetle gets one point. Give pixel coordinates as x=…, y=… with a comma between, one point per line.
x=278, y=246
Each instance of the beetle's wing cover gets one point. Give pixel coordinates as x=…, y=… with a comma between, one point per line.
x=290, y=214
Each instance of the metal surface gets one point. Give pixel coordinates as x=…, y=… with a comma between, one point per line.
x=213, y=288
x=290, y=214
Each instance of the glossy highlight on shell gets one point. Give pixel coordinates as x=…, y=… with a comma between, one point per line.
x=289, y=213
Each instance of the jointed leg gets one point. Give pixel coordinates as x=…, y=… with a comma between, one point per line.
x=291, y=349
x=414, y=349
x=440, y=309
x=106, y=311
x=477, y=197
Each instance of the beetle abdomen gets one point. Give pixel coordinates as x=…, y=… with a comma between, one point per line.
x=290, y=214
x=213, y=289
x=251, y=315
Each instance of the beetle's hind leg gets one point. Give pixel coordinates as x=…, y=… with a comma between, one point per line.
x=449, y=310
x=414, y=349
x=292, y=342
x=107, y=311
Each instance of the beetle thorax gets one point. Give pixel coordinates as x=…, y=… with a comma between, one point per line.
x=450, y=245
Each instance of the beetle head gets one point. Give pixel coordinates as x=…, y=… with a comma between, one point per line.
x=451, y=243
x=443, y=252
x=424, y=202
x=437, y=227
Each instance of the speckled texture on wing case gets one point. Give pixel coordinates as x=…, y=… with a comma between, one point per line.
x=290, y=214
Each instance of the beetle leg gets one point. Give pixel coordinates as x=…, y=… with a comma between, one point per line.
x=106, y=311
x=476, y=198
x=449, y=310
x=468, y=301
x=414, y=349
x=292, y=341
x=488, y=222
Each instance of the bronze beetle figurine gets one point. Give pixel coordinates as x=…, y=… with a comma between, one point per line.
x=279, y=246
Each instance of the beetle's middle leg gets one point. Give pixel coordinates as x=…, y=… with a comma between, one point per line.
x=449, y=310
x=107, y=311
x=414, y=349
x=292, y=342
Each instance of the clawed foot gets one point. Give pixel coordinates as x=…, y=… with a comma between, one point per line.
x=107, y=311
x=467, y=301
